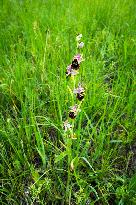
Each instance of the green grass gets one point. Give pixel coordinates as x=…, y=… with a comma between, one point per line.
x=39, y=163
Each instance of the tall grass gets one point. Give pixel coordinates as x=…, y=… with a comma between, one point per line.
x=39, y=164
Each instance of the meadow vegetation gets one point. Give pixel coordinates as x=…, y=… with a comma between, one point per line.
x=39, y=162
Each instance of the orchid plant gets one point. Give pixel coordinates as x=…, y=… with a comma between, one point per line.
x=71, y=71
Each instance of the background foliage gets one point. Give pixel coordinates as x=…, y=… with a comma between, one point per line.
x=39, y=163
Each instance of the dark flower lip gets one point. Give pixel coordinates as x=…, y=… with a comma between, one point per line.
x=80, y=96
x=75, y=65
x=72, y=114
